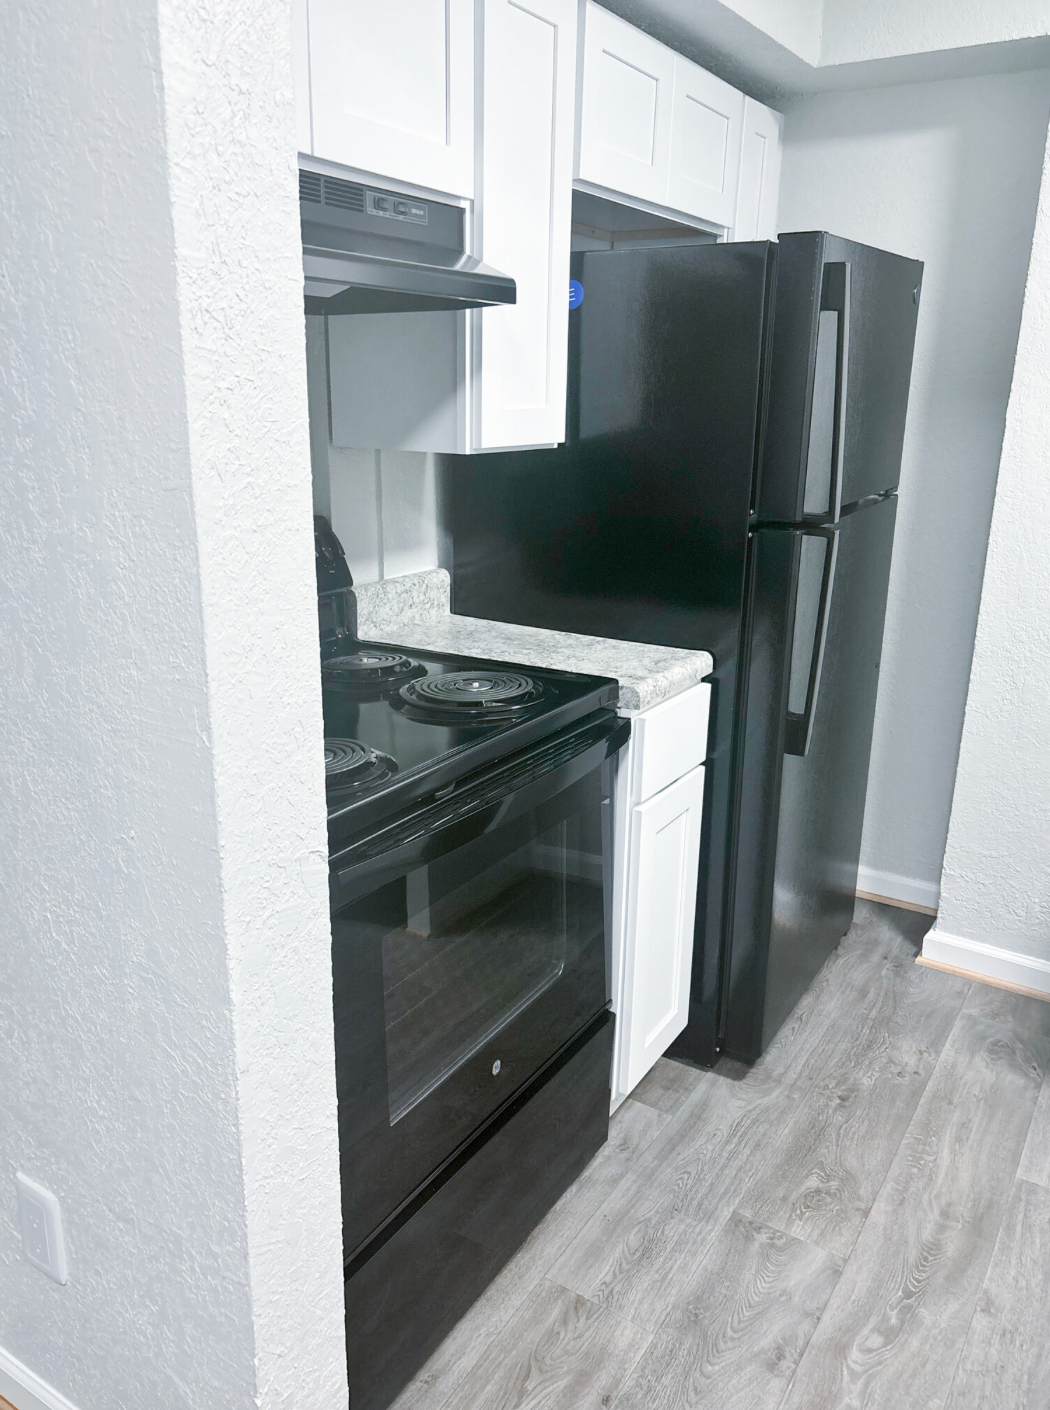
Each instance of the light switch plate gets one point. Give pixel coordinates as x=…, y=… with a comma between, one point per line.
x=40, y=1219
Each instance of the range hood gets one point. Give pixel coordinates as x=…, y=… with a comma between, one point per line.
x=366, y=250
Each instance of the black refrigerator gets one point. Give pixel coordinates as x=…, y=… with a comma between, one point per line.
x=728, y=483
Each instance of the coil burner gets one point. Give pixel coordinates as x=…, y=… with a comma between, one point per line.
x=471, y=696
x=368, y=672
x=352, y=767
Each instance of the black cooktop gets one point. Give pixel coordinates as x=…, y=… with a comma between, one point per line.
x=401, y=724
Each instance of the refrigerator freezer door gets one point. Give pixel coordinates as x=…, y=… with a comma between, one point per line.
x=801, y=813
x=843, y=334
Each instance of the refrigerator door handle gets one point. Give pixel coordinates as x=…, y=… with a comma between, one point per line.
x=818, y=551
x=827, y=427
x=834, y=296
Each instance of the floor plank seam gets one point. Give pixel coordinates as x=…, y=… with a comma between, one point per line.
x=847, y=1222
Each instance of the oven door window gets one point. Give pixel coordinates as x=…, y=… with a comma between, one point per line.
x=456, y=981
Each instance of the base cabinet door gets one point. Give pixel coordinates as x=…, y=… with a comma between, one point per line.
x=758, y=195
x=664, y=856
x=392, y=88
x=524, y=205
x=625, y=125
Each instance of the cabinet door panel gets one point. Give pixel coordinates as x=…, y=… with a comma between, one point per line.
x=759, y=193
x=664, y=858
x=706, y=128
x=628, y=86
x=525, y=209
x=392, y=88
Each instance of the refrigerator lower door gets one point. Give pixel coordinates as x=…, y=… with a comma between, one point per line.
x=817, y=600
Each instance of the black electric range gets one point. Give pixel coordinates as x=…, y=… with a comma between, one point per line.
x=470, y=858
x=401, y=725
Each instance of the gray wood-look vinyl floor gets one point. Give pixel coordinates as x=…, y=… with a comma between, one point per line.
x=861, y=1221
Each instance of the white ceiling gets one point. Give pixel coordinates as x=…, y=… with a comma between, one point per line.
x=777, y=48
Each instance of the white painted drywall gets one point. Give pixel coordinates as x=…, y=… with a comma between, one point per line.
x=945, y=172
x=386, y=507
x=996, y=885
x=387, y=510
x=858, y=30
x=166, y=1054
x=227, y=73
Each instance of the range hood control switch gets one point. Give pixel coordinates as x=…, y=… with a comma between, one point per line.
x=395, y=207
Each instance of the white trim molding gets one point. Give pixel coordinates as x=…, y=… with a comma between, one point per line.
x=990, y=963
x=24, y=1388
x=901, y=890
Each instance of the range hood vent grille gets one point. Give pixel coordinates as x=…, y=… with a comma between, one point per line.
x=330, y=191
x=378, y=251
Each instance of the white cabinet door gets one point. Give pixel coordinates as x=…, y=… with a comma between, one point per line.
x=661, y=901
x=625, y=124
x=759, y=194
x=524, y=215
x=392, y=88
x=706, y=124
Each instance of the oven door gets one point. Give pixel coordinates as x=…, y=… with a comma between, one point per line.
x=468, y=947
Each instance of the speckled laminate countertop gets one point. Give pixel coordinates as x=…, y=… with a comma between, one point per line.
x=413, y=611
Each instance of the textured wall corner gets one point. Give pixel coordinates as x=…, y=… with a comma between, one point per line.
x=117, y=1073
x=165, y=991
x=229, y=112
x=996, y=885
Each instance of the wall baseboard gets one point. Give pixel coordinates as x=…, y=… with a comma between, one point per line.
x=990, y=964
x=25, y=1390
x=904, y=891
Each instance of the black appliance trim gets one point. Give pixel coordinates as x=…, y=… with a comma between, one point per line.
x=501, y=792
x=358, y=258
x=474, y=1142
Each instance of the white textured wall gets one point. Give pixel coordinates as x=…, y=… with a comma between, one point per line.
x=165, y=1035
x=945, y=172
x=996, y=886
x=227, y=71
x=856, y=30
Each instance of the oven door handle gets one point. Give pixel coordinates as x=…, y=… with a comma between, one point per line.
x=477, y=806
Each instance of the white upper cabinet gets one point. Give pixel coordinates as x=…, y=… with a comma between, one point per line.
x=524, y=214
x=391, y=88
x=628, y=95
x=759, y=194
x=659, y=128
x=707, y=121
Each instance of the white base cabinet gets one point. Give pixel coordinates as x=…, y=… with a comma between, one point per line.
x=657, y=820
